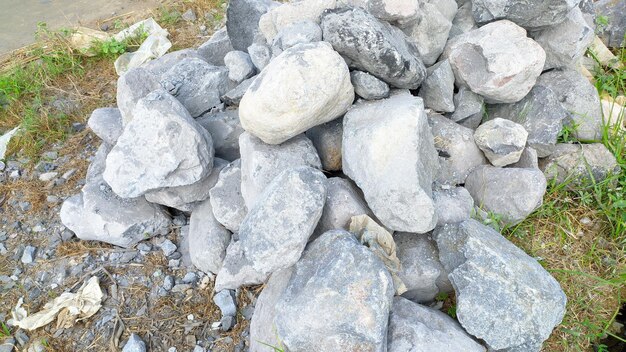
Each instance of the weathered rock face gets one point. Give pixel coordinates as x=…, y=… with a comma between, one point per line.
x=163, y=64
x=338, y=298
x=233, y=97
x=429, y=33
x=214, y=49
x=415, y=328
x=277, y=228
x=107, y=124
x=227, y=202
x=242, y=21
x=305, y=86
x=463, y=21
x=343, y=201
x=161, y=147
x=132, y=86
x=368, y=87
x=577, y=164
x=208, y=239
x=528, y=160
x=512, y=193
x=237, y=270
x=240, y=66
x=516, y=305
x=453, y=205
x=327, y=140
x=389, y=57
x=225, y=129
x=497, y=61
x=292, y=12
x=388, y=150
x=260, y=55
x=297, y=33
x=501, y=140
x=261, y=163
x=437, y=90
x=391, y=10
x=613, y=33
x=528, y=14
x=469, y=108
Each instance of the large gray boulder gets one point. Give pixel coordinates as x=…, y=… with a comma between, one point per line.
x=135, y=84
x=453, y=205
x=214, y=49
x=497, y=61
x=242, y=21
x=415, y=328
x=517, y=305
x=579, y=164
x=162, y=146
x=511, y=193
x=388, y=150
x=343, y=201
x=225, y=129
x=374, y=46
x=429, y=32
x=528, y=14
x=107, y=124
x=327, y=140
x=275, y=231
x=261, y=163
x=502, y=141
x=438, y=88
x=208, y=239
x=368, y=87
x=305, y=86
x=613, y=32
x=228, y=205
x=338, y=298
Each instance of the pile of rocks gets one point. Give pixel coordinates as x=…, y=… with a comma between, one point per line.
x=298, y=116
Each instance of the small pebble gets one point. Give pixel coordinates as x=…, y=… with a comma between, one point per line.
x=168, y=283
x=225, y=300
x=134, y=344
x=67, y=175
x=28, y=256
x=227, y=323
x=189, y=16
x=190, y=278
x=168, y=247
x=48, y=176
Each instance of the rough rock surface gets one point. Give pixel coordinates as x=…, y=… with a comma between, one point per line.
x=343, y=201
x=228, y=205
x=453, y=205
x=225, y=129
x=260, y=55
x=242, y=21
x=392, y=10
x=233, y=97
x=388, y=150
x=163, y=64
x=107, y=124
x=437, y=90
x=135, y=84
x=240, y=66
x=528, y=14
x=327, y=140
x=528, y=160
x=613, y=33
x=573, y=163
x=429, y=33
x=214, y=49
x=297, y=33
x=502, y=141
x=305, y=86
x=292, y=12
x=237, y=270
x=469, y=108
x=208, y=239
x=368, y=87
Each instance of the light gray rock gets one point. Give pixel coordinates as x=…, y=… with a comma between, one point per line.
x=496, y=61
x=541, y=114
x=233, y=96
x=327, y=140
x=458, y=153
x=164, y=63
x=242, y=21
x=614, y=32
x=528, y=160
x=338, y=298
x=305, y=86
x=168, y=247
x=208, y=239
x=261, y=163
x=134, y=344
x=447, y=8
x=391, y=10
x=463, y=21
x=429, y=32
x=588, y=9
x=226, y=302
x=214, y=49
x=107, y=124
x=228, y=205
x=453, y=205
x=240, y=66
x=196, y=84
x=437, y=90
x=28, y=255
x=162, y=146
x=469, y=108
x=511, y=193
x=135, y=84
x=292, y=12
x=185, y=198
x=368, y=87
x=225, y=129
x=516, y=305
x=276, y=230
x=297, y=33
x=502, y=141
x=343, y=201
x=388, y=150
x=579, y=164
x=260, y=55
x=580, y=98
x=527, y=14
x=237, y=270
x=421, y=272
x=415, y=328
x=374, y=46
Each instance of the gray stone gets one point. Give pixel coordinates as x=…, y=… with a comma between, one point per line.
x=297, y=33
x=437, y=90
x=580, y=98
x=225, y=129
x=390, y=56
x=447, y=8
x=588, y=9
x=168, y=283
x=502, y=141
x=453, y=205
x=237, y=270
x=327, y=140
x=338, y=298
x=469, y=108
x=528, y=160
x=579, y=164
x=240, y=66
x=189, y=16
x=214, y=49
x=343, y=201
x=196, y=84
x=429, y=33
x=305, y=86
x=228, y=205
x=260, y=55
x=276, y=230
x=168, y=247
x=463, y=21
x=517, y=305
x=163, y=64
x=415, y=328
x=28, y=256
x=541, y=114
x=8, y=344
x=292, y=12
x=227, y=323
x=388, y=150
x=233, y=96
x=458, y=153
x=135, y=84
x=527, y=14
x=511, y=193
x=134, y=344
x=614, y=32
x=161, y=147
x=208, y=239
x=421, y=271
x=226, y=302
x=261, y=163
x=242, y=21
x=107, y=124
x=390, y=10
x=496, y=61
x=368, y=87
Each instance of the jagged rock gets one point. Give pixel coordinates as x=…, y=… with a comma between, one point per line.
x=390, y=56
x=392, y=10
x=343, y=201
x=134, y=344
x=233, y=96
x=463, y=21
x=261, y=163
x=437, y=90
x=226, y=302
x=429, y=33
x=305, y=86
x=497, y=61
x=528, y=14
x=517, y=305
x=614, y=32
x=576, y=164
x=469, y=108
x=135, y=84
x=388, y=150
x=368, y=87
x=528, y=160
x=511, y=193
x=292, y=12
x=163, y=64
x=297, y=33
x=502, y=141
x=208, y=239
x=338, y=298
x=225, y=130
x=447, y=8
x=453, y=205
x=214, y=49
x=242, y=21
x=415, y=328
x=107, y=124
x=260, y=55
x=237, y=270
x=228, y=205
x=240, y=66
x=327, y=140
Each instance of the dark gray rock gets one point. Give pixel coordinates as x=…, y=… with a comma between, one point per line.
x=343, y=201
x=242, y=21
x=528, y=14
x=107, y=124
x=579, y=164
x=327, y=140
x=429, y=32
x=208, y=239
x=614, y=32
x=438, y=88
x=240, y=66
x=233, y=96
x=368, y=87
x=214, y=49
x=225, y=129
